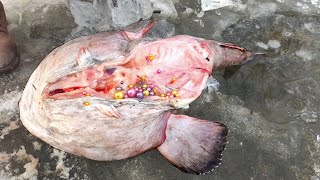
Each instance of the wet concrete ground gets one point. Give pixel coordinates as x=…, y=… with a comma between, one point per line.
x=270, y=104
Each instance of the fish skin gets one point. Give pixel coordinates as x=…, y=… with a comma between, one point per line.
x=134, y=127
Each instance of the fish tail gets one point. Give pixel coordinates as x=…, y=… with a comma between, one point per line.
x=192, y=145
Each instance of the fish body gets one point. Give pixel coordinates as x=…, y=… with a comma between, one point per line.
x=109, y=96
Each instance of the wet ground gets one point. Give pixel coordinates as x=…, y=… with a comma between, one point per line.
x=270, y=104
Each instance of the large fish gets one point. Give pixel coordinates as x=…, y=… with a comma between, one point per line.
x=108, y=96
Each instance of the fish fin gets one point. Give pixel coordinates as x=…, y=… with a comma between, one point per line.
x=84, y=57
x=109, y=110
x=146, y=26
x=192, y=145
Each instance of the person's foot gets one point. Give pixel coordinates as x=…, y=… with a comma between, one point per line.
x=9, y=55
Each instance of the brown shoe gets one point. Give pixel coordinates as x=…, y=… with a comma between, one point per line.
x=9, y=54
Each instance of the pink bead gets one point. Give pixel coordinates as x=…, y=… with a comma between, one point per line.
x=171, y=96
x=158, y=71
x=84, y=92
x=151, y=86
x=147, y=57
x=136, y=89
x=125, y=96
x=131, y=93
x=168, y=94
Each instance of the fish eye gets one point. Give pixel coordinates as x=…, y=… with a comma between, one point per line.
x=207, y=58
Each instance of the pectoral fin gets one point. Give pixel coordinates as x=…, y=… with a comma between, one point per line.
x=109, y=110
x=84, y=58
x=192, y=145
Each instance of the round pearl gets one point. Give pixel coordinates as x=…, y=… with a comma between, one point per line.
x=151, y=86
x=119, y=88
x=158, y=71
x=132, y=93
x=144, y=86
x=174, y=92
x=148, y=89
x=86, y=103
x=146, y=93
x=119, y=95
x=130, y=86
x=139, y=95
x=151, y=93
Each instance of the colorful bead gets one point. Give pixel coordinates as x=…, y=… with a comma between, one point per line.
x=125, y=96
x=151, y=93
x=146, y=93
x=168, y=94
x=163, y=95
x=119, y=95
x=144, y=86
x=121, y=82
x=143, y=78
x=130, y=86
x=119, y=88
x=154, y=90
x=148, y=89
x=159, y=71
x=171, y=96
x=174, y=92
x=84, y=92
x=86, y=103
x=151, y=86
x=87, y=94
x=140, y=95
x=151, y=57
x=132, y=93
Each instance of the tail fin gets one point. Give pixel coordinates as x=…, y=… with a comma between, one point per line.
x=192, y=145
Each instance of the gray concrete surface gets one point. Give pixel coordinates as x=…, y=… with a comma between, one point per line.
x=271, y=104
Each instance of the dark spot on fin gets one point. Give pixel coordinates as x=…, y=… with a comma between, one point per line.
x=110, y=70
x=194, y=146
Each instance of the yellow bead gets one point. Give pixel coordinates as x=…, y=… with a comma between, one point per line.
x=130, y=86
x=86, y=103
x=174, y=92
x=144, y=86
x=163, y=95
x=146, y=92
x=173, y=79
x=119, y=95
x=151, y=57
x=154, y=90
x=87, y=94
x=143, y=78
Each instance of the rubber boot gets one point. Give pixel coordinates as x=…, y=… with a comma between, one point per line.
x=9, y=54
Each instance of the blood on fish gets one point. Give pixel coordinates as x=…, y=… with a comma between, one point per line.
x=56, y=91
